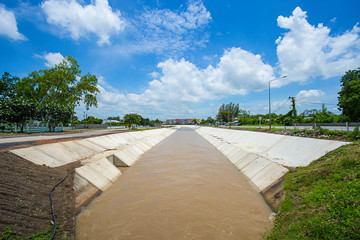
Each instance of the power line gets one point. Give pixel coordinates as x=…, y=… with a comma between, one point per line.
x=283, y=105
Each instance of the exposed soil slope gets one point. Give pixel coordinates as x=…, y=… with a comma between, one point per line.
x=24, y=197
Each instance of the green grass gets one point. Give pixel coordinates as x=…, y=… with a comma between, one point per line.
x=9, y=234
x=323, y=199
x=276, y=129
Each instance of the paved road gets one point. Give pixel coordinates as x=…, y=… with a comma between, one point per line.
x=9, y=142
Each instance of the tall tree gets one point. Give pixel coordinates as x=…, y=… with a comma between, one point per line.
x=18, y=110
x=54, y=114
x=145, y=121
x=227, y=112
x=210, y=120
x=349, y=95
x=157, y=121
x=92, y=120
x=243, y=115
x=62, y=84
x=14, y=108
x=7, y=85
x=132, y=118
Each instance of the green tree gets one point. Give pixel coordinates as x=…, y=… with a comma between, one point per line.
x=132, y=118
x=286, y=119
x=54, y=114
x=62, y=84
x=7, y=85
x=157, y=122
x=145, y=122
x=349, y=95
x=227, y=112
x=210, y=120
x=243, y=115
x=18, y=110
x=92, y=120
x=114, y=118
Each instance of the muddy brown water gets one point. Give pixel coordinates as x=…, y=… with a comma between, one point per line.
x=183, y=188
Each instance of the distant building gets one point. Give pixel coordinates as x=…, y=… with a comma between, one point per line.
x=184, y=121
x=111, y=121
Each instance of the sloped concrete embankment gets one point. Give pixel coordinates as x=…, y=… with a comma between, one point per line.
x=99, y=158
x=263, y=158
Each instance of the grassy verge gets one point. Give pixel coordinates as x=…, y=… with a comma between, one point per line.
x=318, y=132
x=323, y=199
x=9, y=234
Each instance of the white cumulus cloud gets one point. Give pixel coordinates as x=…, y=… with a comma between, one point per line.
x=52, y=59
x=181, y=83
x=309, y=96
x=308, y=51
x=97, y=18
x=304, y=52
x=8, y=25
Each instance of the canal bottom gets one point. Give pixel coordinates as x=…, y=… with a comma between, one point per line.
x=183, y=188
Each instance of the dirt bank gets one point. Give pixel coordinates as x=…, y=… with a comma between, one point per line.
x=24, y=197
x=24, y=192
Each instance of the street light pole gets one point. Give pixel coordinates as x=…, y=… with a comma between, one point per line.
x=269, y=99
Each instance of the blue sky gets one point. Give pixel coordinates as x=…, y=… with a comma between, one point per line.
x=181, y=59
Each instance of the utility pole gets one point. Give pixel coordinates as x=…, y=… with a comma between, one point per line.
x=293, y=107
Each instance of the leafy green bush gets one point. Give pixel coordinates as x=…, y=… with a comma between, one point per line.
x=355, y=135
x=308, y=131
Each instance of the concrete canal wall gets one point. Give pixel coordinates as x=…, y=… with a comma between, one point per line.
x=264, y=158
x=99, y=158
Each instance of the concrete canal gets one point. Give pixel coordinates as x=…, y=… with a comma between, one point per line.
x=183, y=188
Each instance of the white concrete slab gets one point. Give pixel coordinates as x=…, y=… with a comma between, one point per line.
x=36, y=156
x=260, y=156
x=224, y=146
x=81, y=149
x=144, y=145
x=93, y=176
x=60, y=152
x=118, y=139
x=91, y=145
x=230, y=150
x=101, y=142
x=125, y=157
x=131, y=152
x=106, y=168
x=271, y=173
x=297, y=151
x=138, y=148
x=255, y=167
x=237, y=155
x=244, y=161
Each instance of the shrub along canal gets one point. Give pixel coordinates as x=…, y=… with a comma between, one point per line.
x=183, y=188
